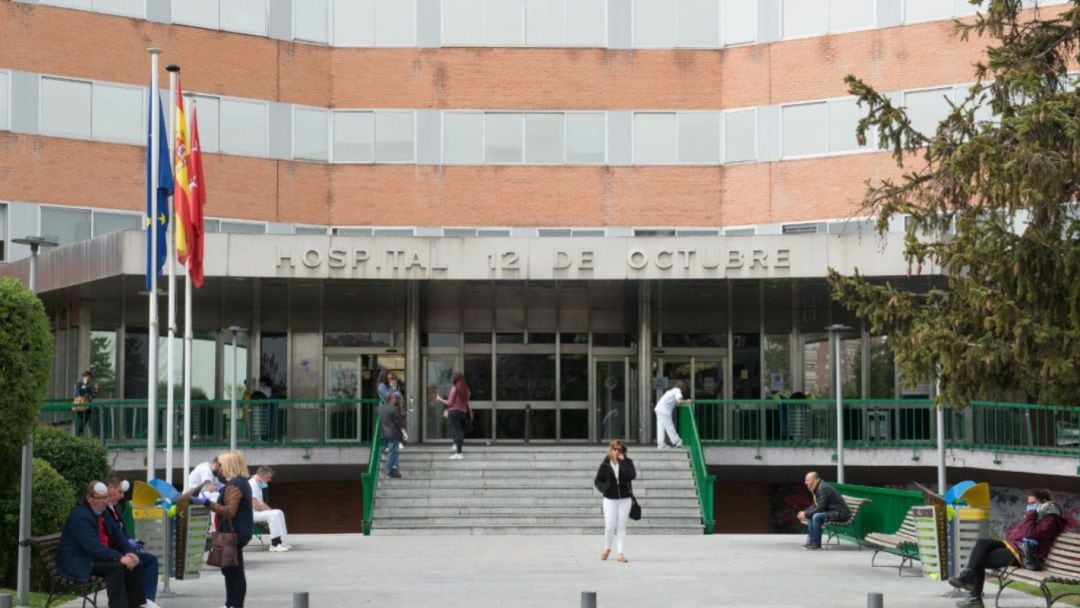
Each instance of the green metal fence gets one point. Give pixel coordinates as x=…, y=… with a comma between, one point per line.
x=259, y=423
x=369, y=479
x=705, y=483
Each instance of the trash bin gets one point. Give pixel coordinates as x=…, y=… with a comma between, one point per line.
x=930, y=530
x=972, y=524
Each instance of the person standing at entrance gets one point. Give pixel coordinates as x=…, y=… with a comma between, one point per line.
x=391, y=425
x=613, y=481
x=457, y=411
x=664, y=409
x=388, y=388
x=85, y=391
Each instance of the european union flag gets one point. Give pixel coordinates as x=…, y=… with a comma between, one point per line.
x=157, y=206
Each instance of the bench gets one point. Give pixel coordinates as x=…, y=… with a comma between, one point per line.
x=834, y=529
x=904, y=543
x=59, y=584
x=1062, y=566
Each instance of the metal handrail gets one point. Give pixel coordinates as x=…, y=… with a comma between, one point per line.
x=705, y=483
x=369, y=479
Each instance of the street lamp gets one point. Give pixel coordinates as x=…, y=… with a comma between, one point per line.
x=26, y=483
x=835, y=330
x=232, y=402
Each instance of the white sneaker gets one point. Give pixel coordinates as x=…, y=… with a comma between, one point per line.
x=663, y=447
x=289, y=547
x=456, y=456
x=150, y=604
x=453, y=448
x=279, y=548
x=401, y=446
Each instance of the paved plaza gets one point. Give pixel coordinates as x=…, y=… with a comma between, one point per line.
x=347, y=570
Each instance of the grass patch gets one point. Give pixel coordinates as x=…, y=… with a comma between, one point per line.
x=37, y=600
x=1055, y=589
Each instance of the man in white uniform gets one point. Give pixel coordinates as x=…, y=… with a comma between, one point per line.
x=665, y=407
x=205, y=477
x=263, y=513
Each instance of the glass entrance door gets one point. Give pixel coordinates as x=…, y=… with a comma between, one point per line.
x=354, y=377
x=611, y=392
x=438, y=371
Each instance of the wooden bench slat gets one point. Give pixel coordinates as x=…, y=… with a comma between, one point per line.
x=1062, y=565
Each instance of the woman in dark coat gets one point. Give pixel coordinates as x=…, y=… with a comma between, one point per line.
x=613, y=481
x=235, y=514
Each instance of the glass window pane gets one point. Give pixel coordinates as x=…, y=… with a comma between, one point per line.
x=478, y=374
x=804, y=129
x=805, y=18
x=463, y=22
x=247, y=16
x=103, y=363
x=850, y=15
x=118, y=113
x=574, y=377
x=699, y=23
x=844, y=116
x=354, y=136
x=585, y=139
x=310, y=21
x=395, y=22
x=394, y=134
x=586, y=23
x=243, y=127
x=654, y=24
x=544, y=23
x=543, y=138
x=200, y=13
x=926, y=109
x=128, y=8
x=525, y=377
x=65, y=107
x=699, y=137
x=354, y=23
x=242, y=227
x=104, y=222
x=502, y=137
x=65, y=226
x=740, y=136
x=310, y=133
x=82, y=5
x=463, y=137
x=926, y=10
x=504, y=22
x=208, y=109
x=740, y=21
x=4, y=100
x=655, y=137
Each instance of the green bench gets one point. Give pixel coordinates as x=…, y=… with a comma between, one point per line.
x=834, y=529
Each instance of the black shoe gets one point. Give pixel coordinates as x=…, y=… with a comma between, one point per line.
x=812, y=547
x=395, y=473
x=971, y=601
x=963, y=580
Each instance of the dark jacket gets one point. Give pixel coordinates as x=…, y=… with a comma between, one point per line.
x=390, y=422
x=829, y=501
x=242, y=521
x=608, y=486
x=1042, y=525
x=80, y=546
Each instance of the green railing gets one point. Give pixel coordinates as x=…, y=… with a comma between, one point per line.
x=259, y=423
x=705, y=483
x=370, y=478
x=885, y=423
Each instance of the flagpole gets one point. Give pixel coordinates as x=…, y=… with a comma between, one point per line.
x=170, y=241
x=152, y=335
x=188, y=336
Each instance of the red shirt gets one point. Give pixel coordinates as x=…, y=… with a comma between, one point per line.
x=102, y=536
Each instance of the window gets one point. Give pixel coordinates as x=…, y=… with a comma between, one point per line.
x=244, y=16
x=200, y=13
x=805, y=18
x=740, y=22
x=310, y=133
x=489, y=22
x=544, y=23
x=127, y=8
x=846, y=15
x=354, y=23
x=243, y=127
x=585, y=138
x=926, y=10
x=564, y=22
x=463, y=137
x=654, y=24
x=844, y=115
x=805, y=129
x=242, y=227
x=394, y=135
x=354, y=136
x=106, y=222
x=463, y=22
x=64, y=225
x=544, y=135
x=586, y=23
x=118, y=113
x=740, y=136
x=504, y=22
x=655, y=137
x=207, y=109
x=699, y=137
x=311, y=20
x=395, y=22
x=699, y=24
x=65, y=107
x=4, y=104
x=82, y=5
x=503, y=137
x=926, y=109
x=309, y=230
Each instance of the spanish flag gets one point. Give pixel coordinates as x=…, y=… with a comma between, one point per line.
x=182, y=191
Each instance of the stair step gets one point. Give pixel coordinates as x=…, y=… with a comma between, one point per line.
x=532, y=531
x=401, y=511
x=517, y=500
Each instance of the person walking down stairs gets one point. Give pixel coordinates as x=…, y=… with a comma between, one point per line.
x=391, y=426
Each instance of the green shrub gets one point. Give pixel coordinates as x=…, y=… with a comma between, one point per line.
x=79, y=459
x=26, y=357
x=52, y=501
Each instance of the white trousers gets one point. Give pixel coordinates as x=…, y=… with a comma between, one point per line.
x=616, y=513
x=276, y=519
x=664, y=424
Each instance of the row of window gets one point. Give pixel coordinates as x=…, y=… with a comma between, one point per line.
x=544, y=23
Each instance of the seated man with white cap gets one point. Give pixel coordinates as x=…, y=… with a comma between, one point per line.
x=148, y=562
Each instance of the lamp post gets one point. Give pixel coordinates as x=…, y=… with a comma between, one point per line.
x=232, y=393
x=22, y=589
x=835, y=330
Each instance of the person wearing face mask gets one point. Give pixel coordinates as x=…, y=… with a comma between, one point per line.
x=91, y=543
x=148, y=562
x=263, y=513
x=1026, y=545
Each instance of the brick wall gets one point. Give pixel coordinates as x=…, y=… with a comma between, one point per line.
x=318, y=507
x=741, y=508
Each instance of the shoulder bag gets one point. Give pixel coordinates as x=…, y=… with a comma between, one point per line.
x=223, y=547
x=635, y=508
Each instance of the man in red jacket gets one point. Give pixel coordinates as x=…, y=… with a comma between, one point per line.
x=1027, y=544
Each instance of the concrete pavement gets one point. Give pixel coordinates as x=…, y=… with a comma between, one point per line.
x=346, y=570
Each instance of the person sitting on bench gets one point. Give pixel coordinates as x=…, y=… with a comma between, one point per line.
x=828, y=506
x=263, y=513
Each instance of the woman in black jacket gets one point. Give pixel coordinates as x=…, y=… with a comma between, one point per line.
x=613, y=480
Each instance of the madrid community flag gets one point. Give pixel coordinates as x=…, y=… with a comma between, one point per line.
x=157, y=203
x=181, y=194
x=196, y=202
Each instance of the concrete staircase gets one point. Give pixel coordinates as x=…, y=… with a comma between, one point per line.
x=528, y=490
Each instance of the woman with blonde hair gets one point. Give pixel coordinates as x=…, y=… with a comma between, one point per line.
x=613, y=481
x=235, y=514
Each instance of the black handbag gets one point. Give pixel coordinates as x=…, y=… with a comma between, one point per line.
x=635, y=508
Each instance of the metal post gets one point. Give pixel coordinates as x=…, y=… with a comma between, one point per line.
x=940, y=440
x=875, y=600
x=153, y=334
x=232, y=395
x=835, y=331
x=300, y=599
x=26, y=486
x=588, y=599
